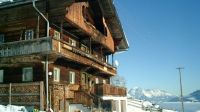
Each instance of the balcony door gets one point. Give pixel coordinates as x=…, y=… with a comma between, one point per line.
x=85, y=80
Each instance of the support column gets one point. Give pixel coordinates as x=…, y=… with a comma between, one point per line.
x=38, y=27
x=118, y=106
x=123, y=105
x=112, y=59
x=61, y=30
x=47, y=83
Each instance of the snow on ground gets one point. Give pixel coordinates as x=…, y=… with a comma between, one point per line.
x=164, y=110
x=137, y=105
x=131, y=108
x=12, y=108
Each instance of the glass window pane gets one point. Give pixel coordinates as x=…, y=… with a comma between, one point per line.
x=56, y=74
x=1, y=75
x=27, y=74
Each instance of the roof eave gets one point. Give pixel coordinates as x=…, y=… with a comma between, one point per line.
x=114, y=23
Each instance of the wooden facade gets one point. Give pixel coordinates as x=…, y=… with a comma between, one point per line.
x=78, y=51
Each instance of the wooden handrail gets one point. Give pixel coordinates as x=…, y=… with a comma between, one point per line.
x=107, y=89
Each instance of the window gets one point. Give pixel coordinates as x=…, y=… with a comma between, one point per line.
x=27, y=74
x=97, y=80
x=1, y=76
x=72, y=42
x=72, y=77
x=56, y=34
x=1, y=38
x=85, y=48
x=104, y=81
x=29, y=34
x=56, y=74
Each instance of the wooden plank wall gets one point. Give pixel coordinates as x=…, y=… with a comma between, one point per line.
x=14, y=74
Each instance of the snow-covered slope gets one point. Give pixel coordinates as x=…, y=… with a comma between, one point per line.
x=153, y=95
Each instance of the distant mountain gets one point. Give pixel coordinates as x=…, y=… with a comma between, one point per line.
x=192, y=97
x=153, y=95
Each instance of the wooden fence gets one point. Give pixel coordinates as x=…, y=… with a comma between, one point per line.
x=26, y=94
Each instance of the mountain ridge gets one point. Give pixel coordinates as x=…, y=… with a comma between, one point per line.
x=157, y=95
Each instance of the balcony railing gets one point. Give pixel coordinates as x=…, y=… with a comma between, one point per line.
x=109, y=90
x=77, y=54
x=25, y=47
x=81, y=97
x=47, y=45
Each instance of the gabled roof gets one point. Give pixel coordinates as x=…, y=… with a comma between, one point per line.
x=114, y=24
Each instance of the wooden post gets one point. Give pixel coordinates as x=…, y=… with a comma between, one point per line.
x=10, y=92
x=38, y=27
x=61, y=30
x=90, y=45
x=41, y=95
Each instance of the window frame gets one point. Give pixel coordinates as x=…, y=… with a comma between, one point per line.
x=72, y=77
x=85, y=48
x=56, y=34
x=26, y=37
x=96, y=80
x=1, y=78
x=24, y=79
x=56, y=74
x=72, y=42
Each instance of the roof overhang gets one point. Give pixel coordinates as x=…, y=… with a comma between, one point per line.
x=114, y=25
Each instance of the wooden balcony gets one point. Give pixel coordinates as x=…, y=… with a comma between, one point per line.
x=81, y=97
x=76, y=54
x=54, y=48
x=109, y=90
x=25, y=47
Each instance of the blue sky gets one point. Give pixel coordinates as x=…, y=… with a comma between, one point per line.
x=163, y=35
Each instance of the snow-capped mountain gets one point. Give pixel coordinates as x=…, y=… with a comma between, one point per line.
x=153, y=95
x=193, y=97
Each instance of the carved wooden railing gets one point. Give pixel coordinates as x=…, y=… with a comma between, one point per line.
x=107, y=89
x=25, y=47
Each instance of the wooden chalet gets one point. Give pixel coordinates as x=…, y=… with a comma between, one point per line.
x=58, y=54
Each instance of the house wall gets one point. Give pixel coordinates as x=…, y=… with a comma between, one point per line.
x=14, y=74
